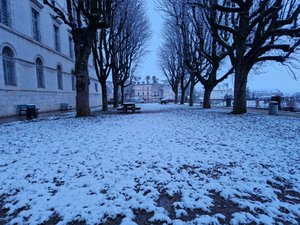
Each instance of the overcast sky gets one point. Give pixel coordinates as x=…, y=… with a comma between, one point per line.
x=270, y=77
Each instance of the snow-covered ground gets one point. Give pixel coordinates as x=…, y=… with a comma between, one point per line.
x=168, y=164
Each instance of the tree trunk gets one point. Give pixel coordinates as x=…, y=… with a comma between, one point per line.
x=122, y=94
x=240, y=92
x=206, y=100
x=242, y=68
x=104, y=96
x=82, y=92
x=83, y=39
x=192, y=87
x=182, y=96
x=176, y=97
x=116, y=95
x=175, y=90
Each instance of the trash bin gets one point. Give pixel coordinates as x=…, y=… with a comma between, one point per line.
x=273, y=108
x=277, y=98
x=228, y=102
x=31, y=112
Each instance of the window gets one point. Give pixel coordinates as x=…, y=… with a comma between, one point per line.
x=59, y=78
x=56, y=38
x=40, y=73
x=4, y=13
x=8, y=66
x=73, y=80
x=71, y=54
x=96, y=87
x=36, y=24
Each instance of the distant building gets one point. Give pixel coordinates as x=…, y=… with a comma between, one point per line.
x=37, y=59
x=266, y=94
x=167, y=91
x=149, y=91
x=219, y=92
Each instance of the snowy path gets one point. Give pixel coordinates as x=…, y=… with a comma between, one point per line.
x=169, y=164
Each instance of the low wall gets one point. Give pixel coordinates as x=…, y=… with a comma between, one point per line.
x=45, y=101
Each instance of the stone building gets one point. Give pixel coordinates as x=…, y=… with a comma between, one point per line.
x=149, y=91
x=219, y=92
x=37, y=59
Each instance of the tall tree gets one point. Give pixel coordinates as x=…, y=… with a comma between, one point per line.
x=175, y=14
x=130, y=43
x=168, y=61
x=204, y=55
x=265, y=30
x=103, y=52
x=135, y=36
x=84, y=19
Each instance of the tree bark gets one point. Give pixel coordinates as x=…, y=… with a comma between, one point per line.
x=116, y=95
x=122, y=94
x=206, y=100
x=83, y=39
x=182, y=96
x=104, y=96
x=240, y=91
x=192, y=87
x=176, y=97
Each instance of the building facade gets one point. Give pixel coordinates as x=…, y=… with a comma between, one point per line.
x=149, y=91
x=37, y=59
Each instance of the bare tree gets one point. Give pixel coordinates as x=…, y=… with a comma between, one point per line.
x=103, y=51
x=131, y=32
x=204, y=55
x=265, y=30
x=168, y=62
x=84, y=19
x=133, y=40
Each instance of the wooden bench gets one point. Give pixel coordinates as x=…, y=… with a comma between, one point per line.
x=23, y=109
x=129, y=107
x=65, y=106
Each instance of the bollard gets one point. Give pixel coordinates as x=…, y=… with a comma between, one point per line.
x=273, y=108
x=256, y=103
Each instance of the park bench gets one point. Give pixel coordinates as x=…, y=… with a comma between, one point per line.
x=29, y=110
x=22, y=109
x=65, y=106
x=127, y=107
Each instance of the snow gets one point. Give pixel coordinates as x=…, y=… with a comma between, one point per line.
x=98, y=168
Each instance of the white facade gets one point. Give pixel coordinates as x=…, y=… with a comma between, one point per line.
x=151, y=92
x=33, y=35
x=168, y=92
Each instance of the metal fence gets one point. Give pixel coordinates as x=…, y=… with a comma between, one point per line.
x=287, y=103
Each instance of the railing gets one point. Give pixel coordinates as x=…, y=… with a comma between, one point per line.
x=287, y=103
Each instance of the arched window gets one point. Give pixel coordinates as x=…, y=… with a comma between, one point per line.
x=40, y=73
x=9, y=66
x=59, y=78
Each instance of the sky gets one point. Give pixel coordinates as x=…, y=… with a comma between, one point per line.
x=269, y=77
